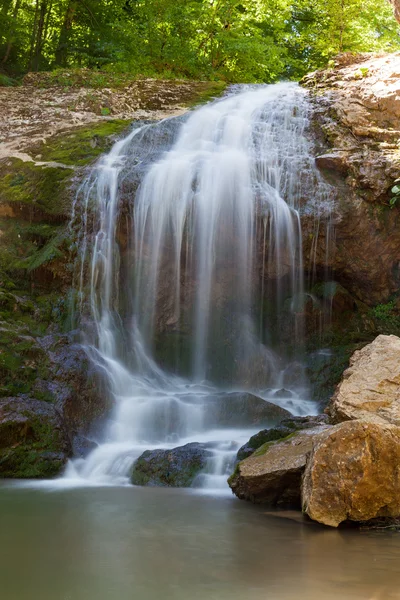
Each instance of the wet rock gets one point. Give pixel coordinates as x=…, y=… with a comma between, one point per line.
x=353, y=474
x=283, y=393
x=370, y=389
x=241, y=409
x=33, y=440
x=272, y=475
x=80, y=391
x=171, y=468
x=285, y=428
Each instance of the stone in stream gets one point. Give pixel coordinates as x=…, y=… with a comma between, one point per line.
x=178, y=467
x=272, y=474
x=353, y=474
x=283, y=393
x=33, y=440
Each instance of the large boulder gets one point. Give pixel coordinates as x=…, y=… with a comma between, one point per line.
x=272, y=474
x=33, y=439
x=353, y=473
x=370, y=388
x=178, y=467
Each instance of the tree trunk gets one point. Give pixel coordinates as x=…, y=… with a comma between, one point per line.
x=39, y=35
x=33, y=36
x=62, y=46
x=12, y=32
x=396, y=7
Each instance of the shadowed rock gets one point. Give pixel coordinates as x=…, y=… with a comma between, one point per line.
x=272, y=475
x=285, y=428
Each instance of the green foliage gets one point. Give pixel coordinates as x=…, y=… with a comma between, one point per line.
x=6, y=81
x=396, y=195
x=246, y=40
x=387, y=317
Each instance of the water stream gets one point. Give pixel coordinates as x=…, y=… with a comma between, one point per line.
x=120, y=543
x=190, y=246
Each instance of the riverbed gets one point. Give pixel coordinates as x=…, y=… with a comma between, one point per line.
x=124, y=543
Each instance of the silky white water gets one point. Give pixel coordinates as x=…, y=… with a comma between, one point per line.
x=189, y=230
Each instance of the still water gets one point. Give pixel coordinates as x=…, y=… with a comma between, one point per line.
x=160, y=544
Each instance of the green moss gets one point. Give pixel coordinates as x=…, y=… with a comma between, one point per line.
x=265, y=447
x=82, y=145
x=208, y=91
x=36, y=455
x=24, y=463
x=234, y=475
x=387, y=317
x=40, y=188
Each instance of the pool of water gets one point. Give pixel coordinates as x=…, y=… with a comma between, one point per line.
x=160, y=544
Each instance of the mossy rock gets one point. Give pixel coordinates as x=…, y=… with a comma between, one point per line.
x=33, y=441
x=81, y=145
x=258, y=444
x=170, y=468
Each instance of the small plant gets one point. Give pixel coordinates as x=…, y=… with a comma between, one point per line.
x=105, y=111
x=361, y=73
x=396, y=194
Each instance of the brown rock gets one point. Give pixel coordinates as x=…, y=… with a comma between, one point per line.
x=332, y=162
x=353, y=473
x=370, y=389
x=356, y=115
x=272, y=475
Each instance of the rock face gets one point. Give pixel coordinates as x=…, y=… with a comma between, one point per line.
x=33, y=439
x=272, y=475
x=356, y=117
x=171, y=468
x=370, y=389
x=353, y=473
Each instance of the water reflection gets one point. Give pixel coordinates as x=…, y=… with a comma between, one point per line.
x=149, y=544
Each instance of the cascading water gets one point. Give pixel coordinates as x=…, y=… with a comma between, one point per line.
x=197, y=240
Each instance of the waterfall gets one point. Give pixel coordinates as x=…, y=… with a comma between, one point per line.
x=190, y=241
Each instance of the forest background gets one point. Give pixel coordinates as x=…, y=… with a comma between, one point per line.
x=230, y=40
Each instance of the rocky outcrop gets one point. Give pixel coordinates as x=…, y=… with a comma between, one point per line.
x=356, y=119
x=370, y=389
x=33, y=439
x=353, y=473
x=170, y=468
x=272, y=475
x=344, y=472
x=46, y=105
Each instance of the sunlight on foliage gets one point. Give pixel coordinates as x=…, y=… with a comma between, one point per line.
x=231, y=40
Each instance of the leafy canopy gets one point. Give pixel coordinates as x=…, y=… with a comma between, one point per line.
x=247, y=40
